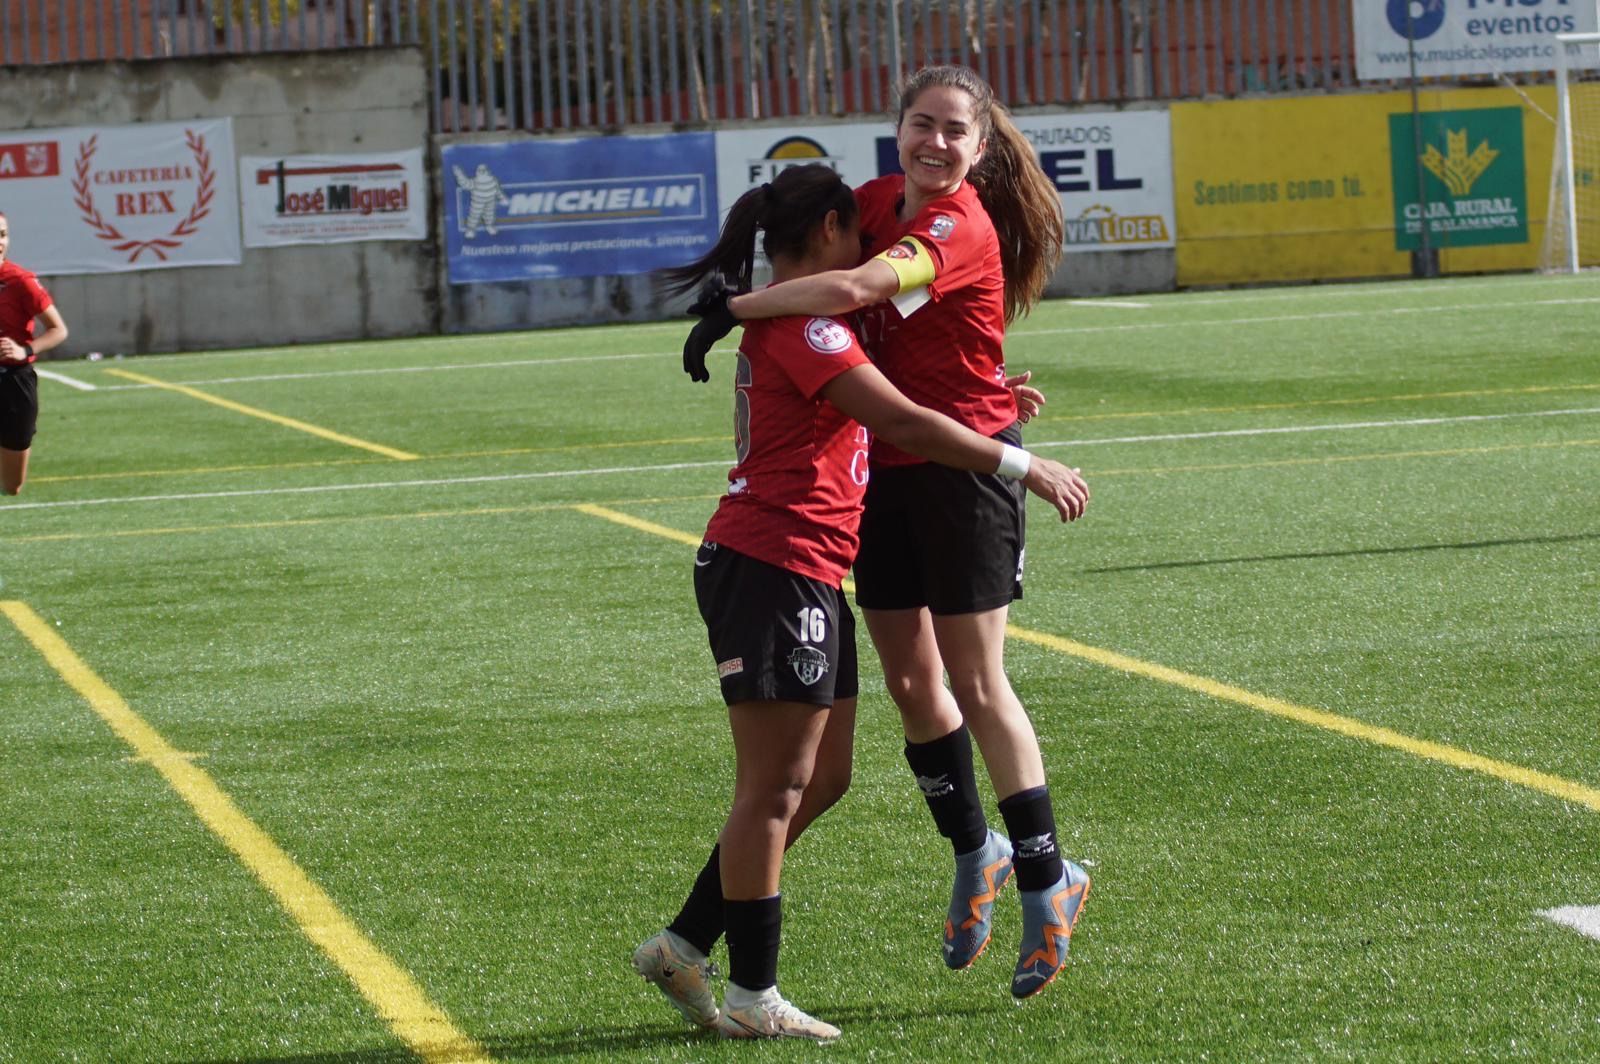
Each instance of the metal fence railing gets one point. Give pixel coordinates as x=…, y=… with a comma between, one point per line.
x=598, y=64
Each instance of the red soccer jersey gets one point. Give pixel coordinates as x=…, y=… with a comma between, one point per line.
x=794, y=498
x=22, y=298
x=948, y=354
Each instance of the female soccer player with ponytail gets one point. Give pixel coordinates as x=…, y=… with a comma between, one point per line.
x=767, y=580
x=958, y=246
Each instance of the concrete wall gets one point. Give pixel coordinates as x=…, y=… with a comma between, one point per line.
x=360, y=100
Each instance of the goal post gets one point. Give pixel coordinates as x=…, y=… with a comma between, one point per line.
x=1572, y=227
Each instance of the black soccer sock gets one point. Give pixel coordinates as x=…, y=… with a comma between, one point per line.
x=700, y=922
x=1032, y=826
x=754, y=931
x=944, y=772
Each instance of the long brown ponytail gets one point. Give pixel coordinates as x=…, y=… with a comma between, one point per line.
x=1022, y=202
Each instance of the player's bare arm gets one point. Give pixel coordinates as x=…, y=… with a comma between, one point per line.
x=867, y=396
x=832, y=292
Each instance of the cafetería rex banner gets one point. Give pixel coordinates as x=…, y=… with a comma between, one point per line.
x=109, y=199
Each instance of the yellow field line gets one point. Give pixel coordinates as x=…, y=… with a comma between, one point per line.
x=1543, y=782
x=277, y=419
x=392, y=991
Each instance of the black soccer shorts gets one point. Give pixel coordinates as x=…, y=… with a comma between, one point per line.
x=942, y=538
x=776, y=636
x=19, y=407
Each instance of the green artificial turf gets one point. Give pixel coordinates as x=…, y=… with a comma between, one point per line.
x=486, y=723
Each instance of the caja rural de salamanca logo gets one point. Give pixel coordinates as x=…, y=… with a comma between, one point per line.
x=144, y=193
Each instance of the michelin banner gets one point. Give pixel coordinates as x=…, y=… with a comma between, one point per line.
x=1113, y=170
x=333, y=199
x=110, y=199
x=595, y=207
x=1451, y=37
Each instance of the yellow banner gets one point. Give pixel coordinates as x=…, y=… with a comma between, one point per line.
x=1304, y=188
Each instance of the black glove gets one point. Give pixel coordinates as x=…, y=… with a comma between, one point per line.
x=716, y=321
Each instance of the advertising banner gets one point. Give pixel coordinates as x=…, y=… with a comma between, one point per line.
x=1114, y=173
x=1309, y=188
x=1450, y=37
x=1113, y=170
x=1474, y=181
x=599, y=206
x=108, y=199
x=751, y=157
x=333, y=199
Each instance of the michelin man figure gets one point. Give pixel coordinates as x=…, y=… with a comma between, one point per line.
x=486, y=192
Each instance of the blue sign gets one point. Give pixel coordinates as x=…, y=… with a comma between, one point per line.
x=595, y=207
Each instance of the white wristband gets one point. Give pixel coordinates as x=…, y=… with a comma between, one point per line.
x=1014, y=462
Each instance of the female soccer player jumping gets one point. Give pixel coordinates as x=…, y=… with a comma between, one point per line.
x=767, y=579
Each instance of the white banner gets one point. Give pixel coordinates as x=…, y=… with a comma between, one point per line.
x=1113, y=170
x=747, y=158
x=333, y=199
x=1484, y=37
x=106, y=199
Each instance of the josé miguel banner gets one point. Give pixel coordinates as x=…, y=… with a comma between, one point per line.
x=106, y=199
x=333, y=199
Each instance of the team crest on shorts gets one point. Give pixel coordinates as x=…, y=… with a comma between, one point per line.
x=941, y=227
x=808, y=663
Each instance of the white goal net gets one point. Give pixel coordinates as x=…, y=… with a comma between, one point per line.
x=1572, y=235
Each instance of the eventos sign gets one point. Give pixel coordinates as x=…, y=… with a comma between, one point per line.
x=106, y=199
x=333, y=199
x=1484, y=37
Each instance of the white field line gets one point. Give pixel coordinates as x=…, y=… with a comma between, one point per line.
x=1063, y=331
x=1584, y=919
x=321, y=488
x=472, y=340
x=71, y=382
x=724, y=462
x=1345, y=426
x=1331, y=315
x=1113, y=304
x=383, y=370
x=1369, y=291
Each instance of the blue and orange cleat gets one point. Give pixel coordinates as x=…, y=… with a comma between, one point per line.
x=979, y=877
x=1048, y=917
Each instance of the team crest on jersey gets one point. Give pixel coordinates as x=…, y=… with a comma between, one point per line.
x=827, y=336
x=808, y=663
x=942, y=227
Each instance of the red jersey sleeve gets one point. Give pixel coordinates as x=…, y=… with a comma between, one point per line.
x=958, y=234
x=813, y=351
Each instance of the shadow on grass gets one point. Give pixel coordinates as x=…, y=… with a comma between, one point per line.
x=1369, y=552
x=604, y=1042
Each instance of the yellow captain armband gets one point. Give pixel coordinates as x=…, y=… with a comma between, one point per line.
x=914, y=266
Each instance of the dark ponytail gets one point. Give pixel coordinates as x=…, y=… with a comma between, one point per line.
x=786, y=210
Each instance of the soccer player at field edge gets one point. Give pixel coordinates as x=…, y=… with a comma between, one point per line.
x=22, y=299
x=767, y=580
x=955, y=248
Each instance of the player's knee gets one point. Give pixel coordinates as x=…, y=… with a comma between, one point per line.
x=829, y=784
